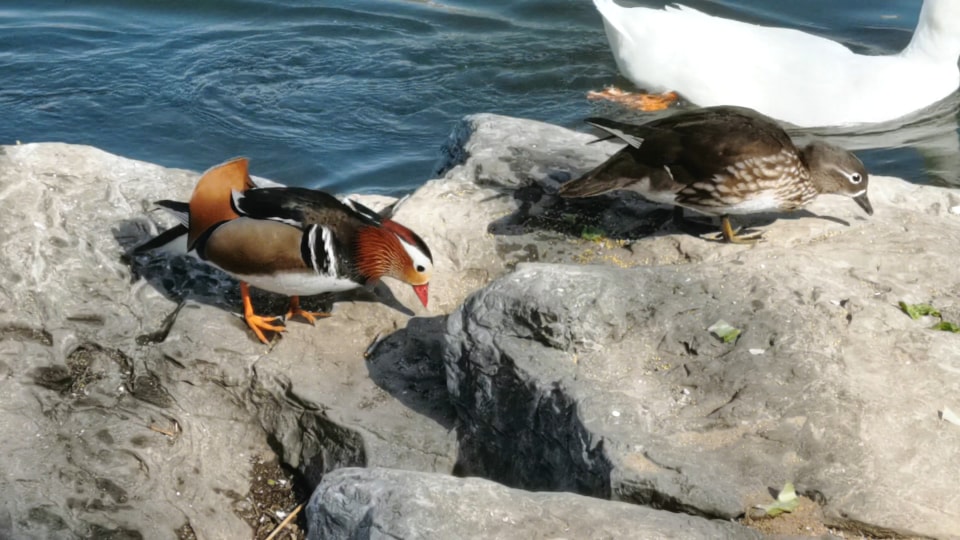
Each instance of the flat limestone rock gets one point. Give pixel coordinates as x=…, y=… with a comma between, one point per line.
x=383, y=503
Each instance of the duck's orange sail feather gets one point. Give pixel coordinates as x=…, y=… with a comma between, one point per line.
x=210, y=202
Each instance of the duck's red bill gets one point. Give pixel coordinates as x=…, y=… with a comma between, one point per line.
x=423, y=292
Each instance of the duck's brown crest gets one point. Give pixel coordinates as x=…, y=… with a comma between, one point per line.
x=210, y=202
x=408, y=236
x=379, y=254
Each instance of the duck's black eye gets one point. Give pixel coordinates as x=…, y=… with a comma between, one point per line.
x=856, y=178
x=420, y=268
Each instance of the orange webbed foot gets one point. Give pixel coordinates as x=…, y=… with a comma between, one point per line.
x=257, y=323
x=733, y=237
x=310, y=316
x=639, y=101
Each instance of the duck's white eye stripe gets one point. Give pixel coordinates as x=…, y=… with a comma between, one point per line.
x=853, y=177
x=419, y=259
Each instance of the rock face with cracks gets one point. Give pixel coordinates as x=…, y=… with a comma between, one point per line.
x=135, y=401
x=604, y=379
x=384, y=503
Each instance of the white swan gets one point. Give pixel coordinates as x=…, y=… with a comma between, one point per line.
x=796, y=77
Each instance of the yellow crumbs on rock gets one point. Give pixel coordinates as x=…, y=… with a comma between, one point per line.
x=604, y=252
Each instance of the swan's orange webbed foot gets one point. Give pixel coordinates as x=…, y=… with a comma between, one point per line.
x=639, y=101
x=256, y=322
x=310, y=316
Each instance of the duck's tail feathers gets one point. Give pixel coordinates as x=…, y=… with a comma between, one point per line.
x=617, y=130
x=590, y=185
x=165, y=240
x=601, y=139
x=178, y=209
x=618, y=172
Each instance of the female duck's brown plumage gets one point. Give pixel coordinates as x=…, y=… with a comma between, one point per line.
x=294, y=241
x=722, y=161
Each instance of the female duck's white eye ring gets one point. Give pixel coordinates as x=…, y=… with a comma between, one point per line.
x=856, y=178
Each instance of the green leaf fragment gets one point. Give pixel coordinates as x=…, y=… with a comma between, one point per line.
x=725, y=331
x=787, y=494
x=915, y=311
x=947, y=327
x=787, y=501
x=591, y=233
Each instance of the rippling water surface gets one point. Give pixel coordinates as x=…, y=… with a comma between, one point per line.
x=360, y=95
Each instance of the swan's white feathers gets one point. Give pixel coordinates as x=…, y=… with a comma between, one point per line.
x=793, y=76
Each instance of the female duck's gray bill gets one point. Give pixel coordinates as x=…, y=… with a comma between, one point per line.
x=864, y=203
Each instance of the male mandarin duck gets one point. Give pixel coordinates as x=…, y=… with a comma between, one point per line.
x=292, y=241
x=721, y=161
x=787, y=74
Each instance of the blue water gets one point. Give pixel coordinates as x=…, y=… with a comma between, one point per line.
x=356, y=97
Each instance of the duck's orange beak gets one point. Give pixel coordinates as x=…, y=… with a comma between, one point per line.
x=423, y=292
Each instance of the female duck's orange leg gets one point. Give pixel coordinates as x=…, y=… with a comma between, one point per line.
x=310, y=316
x=257, y=323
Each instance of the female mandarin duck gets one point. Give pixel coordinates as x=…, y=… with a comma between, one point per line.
x=792, y=76
x=292, y=241
x=722, y=161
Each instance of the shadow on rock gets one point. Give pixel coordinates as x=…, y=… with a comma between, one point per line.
x=620, y=215
x=408, y=364
x=575, y=462
x=516, y=429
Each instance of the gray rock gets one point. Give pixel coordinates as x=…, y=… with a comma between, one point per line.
x=382, y=503
x=81, y=394
x=604, y=379
x=100, y=353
